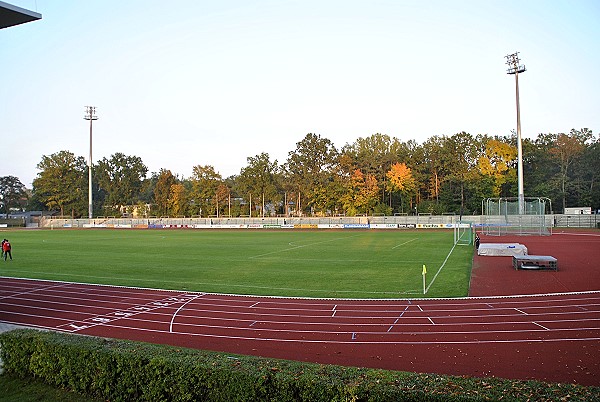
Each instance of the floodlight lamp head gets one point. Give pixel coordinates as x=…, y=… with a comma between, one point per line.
x=90, y=113
x=512, y=60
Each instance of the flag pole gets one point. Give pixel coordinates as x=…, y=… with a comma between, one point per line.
x=424, y=281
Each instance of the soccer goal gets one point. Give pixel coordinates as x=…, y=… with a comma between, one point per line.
x=504, y=216
x=463, y=233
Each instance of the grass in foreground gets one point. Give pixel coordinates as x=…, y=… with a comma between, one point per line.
x=29, y=390
x=346, y=264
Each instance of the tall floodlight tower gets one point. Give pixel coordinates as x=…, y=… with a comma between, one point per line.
x=512, y=60
x=90, y=114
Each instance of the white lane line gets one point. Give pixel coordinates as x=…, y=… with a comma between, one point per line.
x=354, y=336
x=521, y=311
x=32, y=291
x=398, y=319
x=539, y=325
x=179, y=309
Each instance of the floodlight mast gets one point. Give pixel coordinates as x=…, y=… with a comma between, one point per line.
x=90, y=114
x=512, y=60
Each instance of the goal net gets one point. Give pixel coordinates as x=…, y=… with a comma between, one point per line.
x=463, y=233
x=503, y=216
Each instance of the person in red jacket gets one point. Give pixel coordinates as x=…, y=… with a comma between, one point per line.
x=6, y=249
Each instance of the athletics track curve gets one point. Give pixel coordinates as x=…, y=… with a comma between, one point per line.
x=550, y=337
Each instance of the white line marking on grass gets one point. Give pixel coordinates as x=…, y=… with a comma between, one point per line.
x=304, y=245
x=539, y=325
x=440, y=269
x=402, y=244
x=179, y=309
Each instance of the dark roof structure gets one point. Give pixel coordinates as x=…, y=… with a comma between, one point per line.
x=12, y=15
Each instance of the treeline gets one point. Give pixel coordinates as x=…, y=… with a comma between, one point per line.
x=378, y=174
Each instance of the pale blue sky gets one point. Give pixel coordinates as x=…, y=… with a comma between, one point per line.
x=185, y=83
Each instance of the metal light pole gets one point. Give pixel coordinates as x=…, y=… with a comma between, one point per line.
x=512, y=60
x=90, y=114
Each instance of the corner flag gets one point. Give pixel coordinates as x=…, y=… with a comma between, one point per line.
x=424, y=274
x=424, y=269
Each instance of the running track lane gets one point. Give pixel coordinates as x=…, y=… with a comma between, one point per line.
x=552, y=337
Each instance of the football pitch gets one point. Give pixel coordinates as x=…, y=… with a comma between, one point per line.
x=367, y=264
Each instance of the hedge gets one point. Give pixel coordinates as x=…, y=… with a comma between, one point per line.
x=120, y=370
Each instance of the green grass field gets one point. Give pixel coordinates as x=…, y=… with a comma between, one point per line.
x=324, y=263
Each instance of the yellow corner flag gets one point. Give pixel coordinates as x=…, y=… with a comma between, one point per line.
x=424, y=269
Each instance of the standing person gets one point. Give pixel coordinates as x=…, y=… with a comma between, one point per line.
x=477, y=241
x=2, y=247
x=6, y=249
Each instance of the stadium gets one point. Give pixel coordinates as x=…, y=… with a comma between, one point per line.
x=499, y=305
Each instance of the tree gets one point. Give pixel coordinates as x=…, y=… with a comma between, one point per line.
x=433, y=161
x=375, y=155
x=309, y=169
x=259, y=180
x=177, y=200
x=62, y=181
x=589, y=168
x=566, y=149
x=162, y=191
x=12, y=193
x=122, y=178
x=497, y=162
x=460, y=153
x=401, y=179
x=205, y=182
x=361, y=193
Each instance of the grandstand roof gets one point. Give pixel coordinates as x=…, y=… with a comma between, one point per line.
x=12, y=15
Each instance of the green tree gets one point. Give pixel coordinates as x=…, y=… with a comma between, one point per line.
x=205, y=182
x=309, y=169
x=61, y=182
x=566, y=149
x=433, y=164
x=12, y=193
x=121, y=177
x=461, y=152
x=589, y=167
x=259, y=180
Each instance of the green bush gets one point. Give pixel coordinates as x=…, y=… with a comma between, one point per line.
x=119, y=370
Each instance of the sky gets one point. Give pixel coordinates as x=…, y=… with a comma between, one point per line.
x=187, y=83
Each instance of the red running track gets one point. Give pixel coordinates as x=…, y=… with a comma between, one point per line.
x=552, y=337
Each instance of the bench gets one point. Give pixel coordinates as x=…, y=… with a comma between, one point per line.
x=535, y=262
